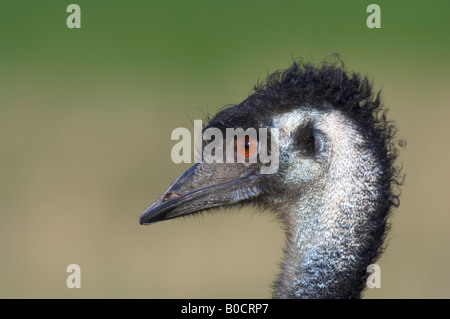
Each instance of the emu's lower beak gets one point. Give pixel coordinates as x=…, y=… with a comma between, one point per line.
x=201, y=187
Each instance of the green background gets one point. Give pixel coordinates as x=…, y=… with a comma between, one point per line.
x=85, y=122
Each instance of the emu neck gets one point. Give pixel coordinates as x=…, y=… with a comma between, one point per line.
x=334, y=229
x=325, y=258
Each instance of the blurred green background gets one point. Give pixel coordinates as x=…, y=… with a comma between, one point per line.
x=86, y=116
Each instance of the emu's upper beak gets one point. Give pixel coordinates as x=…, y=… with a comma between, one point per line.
x=201, y=187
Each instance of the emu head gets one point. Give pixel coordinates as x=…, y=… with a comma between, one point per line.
x=333, y=182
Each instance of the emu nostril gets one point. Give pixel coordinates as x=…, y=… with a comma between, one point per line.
x=170, y=196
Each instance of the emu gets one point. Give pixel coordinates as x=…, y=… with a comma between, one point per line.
x=335, y=187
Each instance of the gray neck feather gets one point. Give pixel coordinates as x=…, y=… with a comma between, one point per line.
x=333, y=230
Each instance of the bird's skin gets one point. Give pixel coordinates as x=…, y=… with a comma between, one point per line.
x=335, y=186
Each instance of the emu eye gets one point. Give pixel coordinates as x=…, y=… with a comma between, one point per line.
x=247, y=147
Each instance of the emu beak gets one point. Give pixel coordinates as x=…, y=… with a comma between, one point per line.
x=201, y=187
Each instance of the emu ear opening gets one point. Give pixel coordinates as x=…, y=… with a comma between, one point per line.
x=307, y=140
